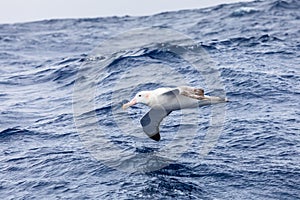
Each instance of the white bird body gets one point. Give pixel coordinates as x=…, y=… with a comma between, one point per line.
x=165, y=100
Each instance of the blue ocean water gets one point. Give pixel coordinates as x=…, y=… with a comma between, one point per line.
x=255, y=47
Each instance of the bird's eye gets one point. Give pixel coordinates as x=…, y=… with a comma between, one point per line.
x=140, y=95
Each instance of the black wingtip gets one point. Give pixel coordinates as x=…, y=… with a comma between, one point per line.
x=156, y=137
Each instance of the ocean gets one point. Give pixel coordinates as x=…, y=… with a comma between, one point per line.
x=64, y=135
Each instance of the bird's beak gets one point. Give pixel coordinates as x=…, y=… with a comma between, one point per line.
x=130, y=103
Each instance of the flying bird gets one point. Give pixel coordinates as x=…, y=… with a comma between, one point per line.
x=163, y=101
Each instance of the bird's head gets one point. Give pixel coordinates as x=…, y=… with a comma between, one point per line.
x=141, y=97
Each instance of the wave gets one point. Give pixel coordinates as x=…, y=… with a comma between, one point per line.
x=253, y=47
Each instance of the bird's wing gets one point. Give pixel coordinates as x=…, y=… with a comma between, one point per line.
x=171, y=93
x=191, y=92
x=151, y=121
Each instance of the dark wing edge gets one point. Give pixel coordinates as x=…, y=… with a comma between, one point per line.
x=151, y=121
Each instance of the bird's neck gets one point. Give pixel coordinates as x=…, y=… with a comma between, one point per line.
x=152, y=100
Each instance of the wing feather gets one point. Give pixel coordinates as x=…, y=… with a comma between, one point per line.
x=151, y=121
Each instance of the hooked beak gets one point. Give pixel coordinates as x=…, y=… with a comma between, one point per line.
x=130, y=103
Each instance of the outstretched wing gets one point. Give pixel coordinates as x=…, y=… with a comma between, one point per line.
x=192, y=92
x=171, y=93
x=151, y=121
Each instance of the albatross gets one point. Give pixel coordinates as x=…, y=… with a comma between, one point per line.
x=163, y=101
